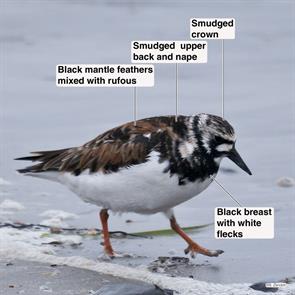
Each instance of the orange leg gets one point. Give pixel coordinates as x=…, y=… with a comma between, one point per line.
x=104, y=216
x=193, y=247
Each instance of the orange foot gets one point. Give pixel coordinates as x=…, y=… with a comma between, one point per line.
x=194, y=249
x=108, y=250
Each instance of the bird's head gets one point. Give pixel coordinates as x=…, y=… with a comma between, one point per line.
x=218, y=139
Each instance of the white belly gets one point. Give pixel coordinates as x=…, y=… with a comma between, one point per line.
x=142, y=188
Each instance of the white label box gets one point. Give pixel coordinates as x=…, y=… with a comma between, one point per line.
x=212, y=28
x=244, y=223
x=169, y=51
x=104, y=75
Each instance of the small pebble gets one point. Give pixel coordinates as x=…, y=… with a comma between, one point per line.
x=92, y=232
x=286, y=182
x=45, y=289
x=55, y=230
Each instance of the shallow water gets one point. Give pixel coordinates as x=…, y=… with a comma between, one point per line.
x=259, y=94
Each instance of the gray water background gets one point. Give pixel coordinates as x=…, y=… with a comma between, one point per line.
x=259, y=103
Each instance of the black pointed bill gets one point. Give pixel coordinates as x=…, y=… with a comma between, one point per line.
x=236, y=158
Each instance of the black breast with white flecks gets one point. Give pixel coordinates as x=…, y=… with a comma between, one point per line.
x=185, y=153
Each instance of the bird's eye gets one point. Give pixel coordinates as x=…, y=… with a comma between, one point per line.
x=219, y=139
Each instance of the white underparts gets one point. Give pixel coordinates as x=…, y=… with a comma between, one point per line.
x=142, y=188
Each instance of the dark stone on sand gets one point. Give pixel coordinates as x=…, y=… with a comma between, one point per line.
x=165, y=262
x=132, y=289
x=260, y=286
x=174, y=259
x=173, y=266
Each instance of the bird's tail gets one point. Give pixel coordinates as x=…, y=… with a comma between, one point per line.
x=43, y=157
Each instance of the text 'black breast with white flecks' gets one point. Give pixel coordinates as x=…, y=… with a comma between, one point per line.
x=188, y=145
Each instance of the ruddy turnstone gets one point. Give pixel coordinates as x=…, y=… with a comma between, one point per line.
x=145, y=168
